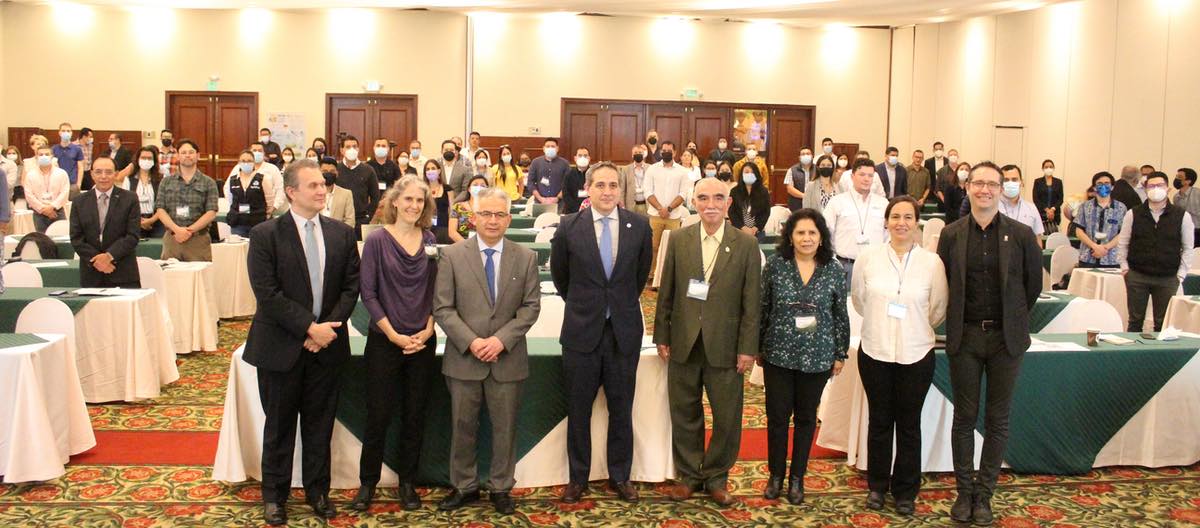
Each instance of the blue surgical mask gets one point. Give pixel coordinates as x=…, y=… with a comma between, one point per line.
x=749, y=178
x=246, y=166
x=476, y=189
x=66, y=136
x=43, y=160
x=550, y=152
x=258, y=157
x=1012, y=189
x=710, y=173
x=1103, y=190
x=381, y=152
x=416, y=153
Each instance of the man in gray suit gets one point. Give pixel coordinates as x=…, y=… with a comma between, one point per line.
x=487, y=298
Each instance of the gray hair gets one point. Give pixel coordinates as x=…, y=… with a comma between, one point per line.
x=496, y=192
x=602, y=165
x=291, y=175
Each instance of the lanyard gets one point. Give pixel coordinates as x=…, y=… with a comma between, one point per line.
x=860, y=214
x=900, y=273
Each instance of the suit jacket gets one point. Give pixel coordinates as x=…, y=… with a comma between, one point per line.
x=457, y=176
x=465, y=311
x=341, y=208
x=121, y=230
x=123, y=158
x=279, y=278
x=901, y=182
x=579, y=277
x=729, y=318
x=1020, y=279
x=629, y=186
x=931, y=165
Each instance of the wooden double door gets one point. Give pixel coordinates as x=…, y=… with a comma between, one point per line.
x=369, y=117
x=222, y=123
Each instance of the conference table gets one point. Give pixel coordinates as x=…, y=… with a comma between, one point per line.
x=22, y=222
x=1074, y=408
x=123, y=348
x=1191, y=283
x=190, y=297
x=1183, y=313
x=43, y=418
x=541, y=425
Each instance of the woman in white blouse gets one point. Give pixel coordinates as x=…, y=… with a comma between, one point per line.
x=900, y=290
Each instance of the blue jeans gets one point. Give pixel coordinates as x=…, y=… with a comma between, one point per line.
x=40, y=223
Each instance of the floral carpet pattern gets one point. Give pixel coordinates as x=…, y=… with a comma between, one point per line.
x=153, y=495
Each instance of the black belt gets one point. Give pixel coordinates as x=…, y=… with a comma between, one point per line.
x=643, y=202
x=987, y=325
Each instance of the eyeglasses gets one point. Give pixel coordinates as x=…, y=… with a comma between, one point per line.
x=489, y=215
x=991, y=185
x=1156, y=186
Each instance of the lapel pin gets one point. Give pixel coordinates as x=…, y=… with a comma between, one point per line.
x=727, y=249
x=627, y=226
x=1006, y=238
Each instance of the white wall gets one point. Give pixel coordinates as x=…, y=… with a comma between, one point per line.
x=1096, y=84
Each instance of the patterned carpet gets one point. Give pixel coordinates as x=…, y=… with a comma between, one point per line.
x=166, y=494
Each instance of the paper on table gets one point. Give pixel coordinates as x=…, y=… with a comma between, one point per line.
x=1114, y=339
x=108, y=292
x=1037, y=345
x=58, y=264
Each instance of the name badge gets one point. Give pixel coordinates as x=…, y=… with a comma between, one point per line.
x=165, y=167
x=435, y=220
x=383, y=186
x=243, y=208
x=582, y=193
x=545, y=181
x=638, y=189
x=806, y=323
x=863, y=239
x=46, y=197
x=697, y=289
x=897, y=310
x=183, y=211
x=1101, y=235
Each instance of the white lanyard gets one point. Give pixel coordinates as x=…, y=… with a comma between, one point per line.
x=900, y=273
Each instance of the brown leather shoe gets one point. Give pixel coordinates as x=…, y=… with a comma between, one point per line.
x=573, y=492
x=679, y=491
x=624, y=490
x=721, y=496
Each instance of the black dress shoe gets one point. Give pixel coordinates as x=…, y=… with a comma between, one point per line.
x=503, y=502
x=875, y=500
x=573, y=492
x=322, y=507
x=362, y=499
x=774, y=488
x=457, y=499
x=275, y=514
x=624, y=490
x=906, y=507
x=795, y=493
x=409, y=500
x=981, y=514
x=961, y=511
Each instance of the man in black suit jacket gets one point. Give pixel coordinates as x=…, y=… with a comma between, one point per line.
x=118, y=153
x=105, y=225
x=298, y=337
x=897, y=185
x=600, y=259
x=994, y=269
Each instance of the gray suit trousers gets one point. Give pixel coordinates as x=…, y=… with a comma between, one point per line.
x=466, y=400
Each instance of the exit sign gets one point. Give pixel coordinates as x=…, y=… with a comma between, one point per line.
x=691, y=93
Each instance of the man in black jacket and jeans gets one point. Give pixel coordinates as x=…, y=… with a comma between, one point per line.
x=993, y=266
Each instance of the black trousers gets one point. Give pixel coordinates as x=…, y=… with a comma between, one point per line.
x=310, y=391
x=895, y=395
x=584, y=373
x=395, y=381
x=1140, y=288
x=983, y=353
x=791, y=393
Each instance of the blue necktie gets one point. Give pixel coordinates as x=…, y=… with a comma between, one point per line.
x=606, y=252
x=312, y=254
x=489, y=269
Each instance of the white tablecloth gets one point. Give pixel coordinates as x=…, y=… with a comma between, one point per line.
x=11, y=241
x=43, y=419
x=192, y=304
x=22, y=222
x=239, y=448
x=1183, y=314
x=234, y=296
x=123, y=350
x=1105, y=286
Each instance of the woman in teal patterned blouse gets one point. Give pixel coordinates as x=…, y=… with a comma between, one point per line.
x=805, y=337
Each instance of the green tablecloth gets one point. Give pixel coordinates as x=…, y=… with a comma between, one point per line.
x=520, y=235
x=1191, y=284
x=59, y=276
x=543, y=406
x=1067, y=405
x=521, y=222
x=150, y=247
x=16, y=340
x=13, y=300
x=1046, y=255
x=1044, y=311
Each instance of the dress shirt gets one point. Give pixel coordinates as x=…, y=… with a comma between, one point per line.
x=1025, y=213
x=1187, y=233
x=891, y=172
x=552, y=170
x=982, y=297
x=361, y=181
x=318, y=233
x=1189, y=200
x=42, y=189
x=499, y=247
x=849, y=216
x=613, y=228
x=665, y=184
x=846, y=184
x=639, y=180
x=1095, y=219
x=709, y=244
x=916, y=280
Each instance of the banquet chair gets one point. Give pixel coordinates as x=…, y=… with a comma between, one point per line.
x=550, y=318
x=223, y=231
x=779, y=215
x=1057, y=240
x=59, y=228
x=21, y=275
x=367, y=229
x=545, y=220
x=544, y=235
x=1062, y=261
x=47, y=316
x=689, y=220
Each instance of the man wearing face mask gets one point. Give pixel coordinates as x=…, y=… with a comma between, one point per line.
x=1011, y=204
x=575, y=184
x=665, y=186
x=722, y=152
x=1099, y=223
x=86, y=140
x=1188, y=197
x=456, y=174
x=633, y=181
x=47, y=190
x=946, y=175
x=168, y=155
x=120, y=155
x=274, y=154
x=416, y=157
x=919, y=179
x=360, y=179
x=652, y=149
x=276, y=199
x=1155, y=251
x=753, y=157
x=939, y=160
x=796, y=178
x=547, y=173
x=386, y=170
x=1125, y=190
x=70, y=157
x=892, y=174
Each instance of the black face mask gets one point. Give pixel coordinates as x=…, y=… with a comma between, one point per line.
x=668, y=156
x=638, y=157
x=652, y=140
x=524, y=162
x=1178, y=183
x=448, y=155
x=330, y=178
x=167, y=142
x=724, y=175
x=825, y=172
x=320, y=151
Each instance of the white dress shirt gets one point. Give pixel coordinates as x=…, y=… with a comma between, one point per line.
x=918, y=282
x=850, y=217
x=1025, y=213
x=317, y=232
x=614, y=225
x=665, y=184
x=846, y=184
x=272, y=181
x=1186, y=231
x=499, y=247
x=42, y=189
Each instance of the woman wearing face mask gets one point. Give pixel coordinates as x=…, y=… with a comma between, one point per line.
x=652, y=153
x=822, y=185
x=404, y=161
x=1098, y=222
x=1048, y=197
x=12, y=170
x=321, y=148
x=440, y=193
x=751, y=204
x=311, y=154
x=288, y=157
x=725, y=174
x=247, y=193
x=752, y=158
x=144, y=183
x=507, y=175
x=954, y=192
x=462, y=214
